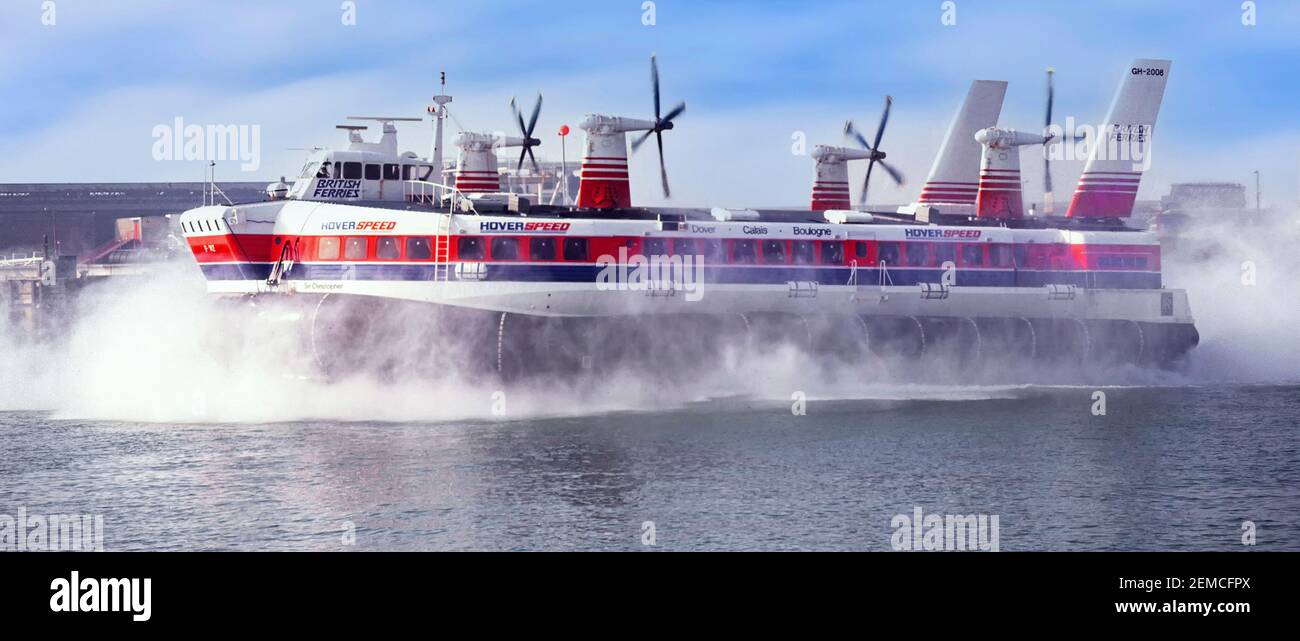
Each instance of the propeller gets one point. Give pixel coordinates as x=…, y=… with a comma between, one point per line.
x=661, y=123
x=877, y=156
x=1049, y=136
x=1047, y=132
x=526, y=149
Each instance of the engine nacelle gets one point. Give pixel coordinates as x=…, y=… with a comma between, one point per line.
x=830, y=188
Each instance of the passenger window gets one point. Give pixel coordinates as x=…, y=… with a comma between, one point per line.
x=916, y=254
x=714, y=251
x=386, y=248
x=372, y=171
x=686, y=247
x=418, y=248
x=944, y=253
x=997, y=256
x=392, y=172
x=888, y=253
x=973, y=255
x=354, y=248
x=505, y=248
x=833, y=252
x=469, y=248
x=655, y=247
x=744, y=252
x=575, y=249
x=861, y=249
x=327, y=248
x=1020, y=254
x=802, y=252
x=774, y=251
x=352, y=170
x=541, y=248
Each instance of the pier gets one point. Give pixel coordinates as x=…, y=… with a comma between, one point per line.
x=57, y=238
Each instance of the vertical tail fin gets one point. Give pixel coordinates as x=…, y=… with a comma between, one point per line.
x=954, y=177
x=1109, y=184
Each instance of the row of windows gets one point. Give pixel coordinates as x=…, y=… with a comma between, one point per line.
x=1121, y=260
x=742, y=251
x=368, y=171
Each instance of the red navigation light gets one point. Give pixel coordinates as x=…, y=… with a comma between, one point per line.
x=564, y=130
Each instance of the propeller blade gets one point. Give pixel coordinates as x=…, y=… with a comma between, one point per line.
x=866, y=181
x=522, y=152
x=636, y=144
x=532, y=158
x=1047, y=128
x=852, y=132
x=514, y=108
x=654, y=82
x=884, y=118
x=677, y=111
x=532, y=121
x=893, y=173
x=1051, y=97
x=663, y=171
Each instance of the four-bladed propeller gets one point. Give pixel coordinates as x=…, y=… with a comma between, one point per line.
x=1066, y=138
x=660, y=124
x=1047, y=131
x=877, y=156
x=526, y=149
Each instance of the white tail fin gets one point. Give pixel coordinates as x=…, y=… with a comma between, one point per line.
x=1120, y=151
x=954, y=177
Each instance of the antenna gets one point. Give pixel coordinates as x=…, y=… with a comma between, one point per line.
x=439, y=112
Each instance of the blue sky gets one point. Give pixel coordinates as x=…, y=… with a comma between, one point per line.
x=82, y=96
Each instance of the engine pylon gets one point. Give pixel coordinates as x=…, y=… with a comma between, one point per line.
x=476, y=172
x=999, y=187
x=603, y=182
x=830, y=188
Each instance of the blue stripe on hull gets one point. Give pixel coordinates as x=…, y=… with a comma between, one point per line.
x=719, y=275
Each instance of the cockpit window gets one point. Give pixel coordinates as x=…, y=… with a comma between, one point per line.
x=324, y=171
x=309, y=169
